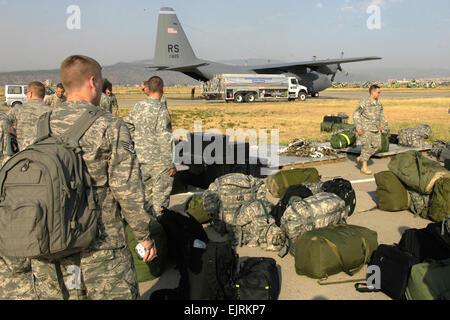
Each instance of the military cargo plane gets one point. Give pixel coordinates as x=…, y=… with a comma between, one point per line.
x=173, y=52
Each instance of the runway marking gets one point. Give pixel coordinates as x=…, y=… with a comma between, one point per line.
x=363, y=181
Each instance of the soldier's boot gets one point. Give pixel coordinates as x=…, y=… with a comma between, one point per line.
x=365, y=169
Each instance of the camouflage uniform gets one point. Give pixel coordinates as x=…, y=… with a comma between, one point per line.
x=369, y=117
x=114, y=104
x=151, y=127
x=105, y=103
x=54, y=100
x=15, y=273
x=106, y=270
x=24, y=119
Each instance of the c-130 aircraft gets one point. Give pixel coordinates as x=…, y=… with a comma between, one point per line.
x=173, y=52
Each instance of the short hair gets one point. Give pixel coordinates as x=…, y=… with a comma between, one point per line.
x=60, y=86
x=76, y=70
x=155, y=84
x=373, y=88
x=106, y=85
x=37, y=88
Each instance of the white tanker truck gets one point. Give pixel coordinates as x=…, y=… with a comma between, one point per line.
x=253, y=87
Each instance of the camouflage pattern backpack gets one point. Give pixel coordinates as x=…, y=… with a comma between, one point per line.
x=255, y=227
x=319, y=211
x=420, y=203
x=414, y=137
x=225, y=196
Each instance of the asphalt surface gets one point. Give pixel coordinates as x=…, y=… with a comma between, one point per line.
x=388, y=225
x=347, y=95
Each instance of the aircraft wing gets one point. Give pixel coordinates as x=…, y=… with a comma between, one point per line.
x=177, y=68
x=313, y=64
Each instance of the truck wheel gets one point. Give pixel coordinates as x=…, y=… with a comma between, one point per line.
x=16, y=104
x=302, y=96
x=250, y=97
x=314, y=94
x=239, y=98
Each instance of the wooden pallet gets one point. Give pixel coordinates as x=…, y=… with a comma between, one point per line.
x=394, y=149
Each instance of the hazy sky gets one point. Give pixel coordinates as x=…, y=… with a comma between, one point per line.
x=414, y=33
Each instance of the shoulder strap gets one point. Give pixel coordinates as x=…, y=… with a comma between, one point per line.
x=43, y=126
x=79, y=128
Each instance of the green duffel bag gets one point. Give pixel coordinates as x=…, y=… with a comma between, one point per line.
x=384, y=143
x=323, y=252
x=343, y=139
x=429, y=281
x=440, y=200
x=155, y=268
x=416, y=171
x=326, y=126
x=194, y=206
x=277, y=183
x=392, y=194
x=343, y=126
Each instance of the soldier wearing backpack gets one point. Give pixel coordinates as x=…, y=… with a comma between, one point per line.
x=15, y=273
x=105, y=269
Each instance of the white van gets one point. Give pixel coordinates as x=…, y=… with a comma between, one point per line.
x=17, y=94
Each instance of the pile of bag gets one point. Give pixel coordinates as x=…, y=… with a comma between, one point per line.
x=212, y=270
x=334, y=123
x=238, y=205
x=441, y=150
x=416, y=183
x=418, y=267
x=414, y=137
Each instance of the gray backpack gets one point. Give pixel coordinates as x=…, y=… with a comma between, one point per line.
x=47, y=207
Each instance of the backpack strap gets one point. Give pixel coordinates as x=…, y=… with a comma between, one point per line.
x=79, y=128
x=43, y=127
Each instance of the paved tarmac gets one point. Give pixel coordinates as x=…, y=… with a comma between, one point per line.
x=347, y=95
x=388, y=225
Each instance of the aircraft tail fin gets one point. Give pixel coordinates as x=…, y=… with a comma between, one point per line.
x=172, y=46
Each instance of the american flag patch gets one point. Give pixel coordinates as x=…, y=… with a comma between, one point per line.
x=172, y=30
x=12, y=131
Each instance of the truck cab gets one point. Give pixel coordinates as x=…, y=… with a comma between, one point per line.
x=17, y=94
x=296, y=90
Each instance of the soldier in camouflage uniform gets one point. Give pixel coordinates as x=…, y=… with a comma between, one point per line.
x=370, y=122
x=106, y=269
x=15, y=273
x=24, y=117
x=112, y=100
x=56, y=98
x=105, y=103
x=151, y=127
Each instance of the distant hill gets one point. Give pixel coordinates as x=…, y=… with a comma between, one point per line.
x=132, y=73
x=122, y=73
